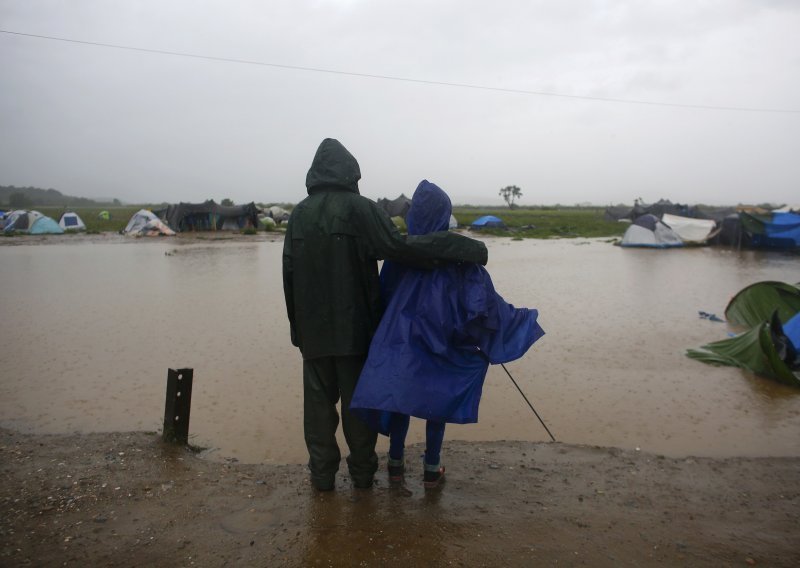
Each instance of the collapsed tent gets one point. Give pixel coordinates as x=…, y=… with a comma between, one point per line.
x=210, y=216
x=778, y=230
x=756, y=303
x=648, y=231
x=31, y=222
x=145, y=223
x=396, y=207
x=690, y=230
x=488, y=222
x=771, y=346
x=71, y=221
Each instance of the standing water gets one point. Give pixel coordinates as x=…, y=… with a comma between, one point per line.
x=90, y=329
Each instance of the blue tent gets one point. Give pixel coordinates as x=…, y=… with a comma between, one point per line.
x=782, y=230
x=487, y=221
x=46, y=226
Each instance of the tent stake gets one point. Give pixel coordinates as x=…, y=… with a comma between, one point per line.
x=529, y=402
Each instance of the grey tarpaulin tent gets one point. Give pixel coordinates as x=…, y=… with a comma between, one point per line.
x=209, y=216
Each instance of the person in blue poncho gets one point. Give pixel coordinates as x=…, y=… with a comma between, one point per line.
x=440, y=331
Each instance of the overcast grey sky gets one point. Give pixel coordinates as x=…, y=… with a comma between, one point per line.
x=144, y=127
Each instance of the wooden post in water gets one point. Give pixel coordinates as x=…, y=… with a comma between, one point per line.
x=178, y=405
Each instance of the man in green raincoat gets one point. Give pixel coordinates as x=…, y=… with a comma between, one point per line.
x=330, y=279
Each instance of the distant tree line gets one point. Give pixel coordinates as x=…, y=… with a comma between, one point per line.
x=27, y=197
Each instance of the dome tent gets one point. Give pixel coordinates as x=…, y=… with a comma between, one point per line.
x=71, y=221
x=648, y=231
x=145, y=223
x=31, y=222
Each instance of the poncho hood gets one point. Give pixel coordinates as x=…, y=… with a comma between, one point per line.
x=430, y=210
x=333, y=166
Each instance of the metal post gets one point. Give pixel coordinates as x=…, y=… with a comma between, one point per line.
x=178, y=405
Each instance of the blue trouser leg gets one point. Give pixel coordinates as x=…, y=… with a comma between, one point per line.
x=398, y=428
x=434, y=435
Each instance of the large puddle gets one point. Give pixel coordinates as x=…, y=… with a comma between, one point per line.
x=90, y=329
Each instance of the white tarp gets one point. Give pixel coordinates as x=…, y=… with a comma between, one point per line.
x=689, y=230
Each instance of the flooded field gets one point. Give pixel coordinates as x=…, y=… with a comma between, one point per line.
x=89, y=330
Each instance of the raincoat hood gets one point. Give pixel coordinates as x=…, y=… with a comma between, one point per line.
x=430, y=210
x=333, y=165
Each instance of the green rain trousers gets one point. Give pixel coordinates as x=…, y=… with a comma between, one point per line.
x=324, y=380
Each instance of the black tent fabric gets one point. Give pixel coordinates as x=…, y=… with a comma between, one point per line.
x=208, y=216
x=618, y=213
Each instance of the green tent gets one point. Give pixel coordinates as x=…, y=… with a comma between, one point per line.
x=764, y=349
x=104, y=215
x=760, y=350
x=755, y=303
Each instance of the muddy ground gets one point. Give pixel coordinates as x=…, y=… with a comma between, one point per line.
x=126, y=499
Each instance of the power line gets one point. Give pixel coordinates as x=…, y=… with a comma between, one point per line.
x=402, y=79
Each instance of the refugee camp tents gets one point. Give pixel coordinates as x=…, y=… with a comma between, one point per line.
x=659, y=208
x=776, y=230
x=209, y=216
x=145, y=223
x=71, y=221
x=487, y=222
x=31, y=222
x=771, y=345
x=648, y=231
x=396, y=207
x=618, y=213
x=690, y=230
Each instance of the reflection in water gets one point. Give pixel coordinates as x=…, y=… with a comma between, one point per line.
x=89, y=331
x=364, y=527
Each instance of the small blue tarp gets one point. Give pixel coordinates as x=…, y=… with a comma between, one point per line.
x=487, y=221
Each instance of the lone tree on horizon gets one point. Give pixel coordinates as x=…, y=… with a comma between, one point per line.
x=510, y=193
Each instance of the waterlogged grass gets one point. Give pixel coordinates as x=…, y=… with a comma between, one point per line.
x=544, y=222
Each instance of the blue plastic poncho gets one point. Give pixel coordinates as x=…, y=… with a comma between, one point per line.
x=439, y=332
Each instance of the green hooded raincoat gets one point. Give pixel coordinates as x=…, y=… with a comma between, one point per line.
x=333, y=240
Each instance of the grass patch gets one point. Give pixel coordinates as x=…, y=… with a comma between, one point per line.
x=544, y=222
